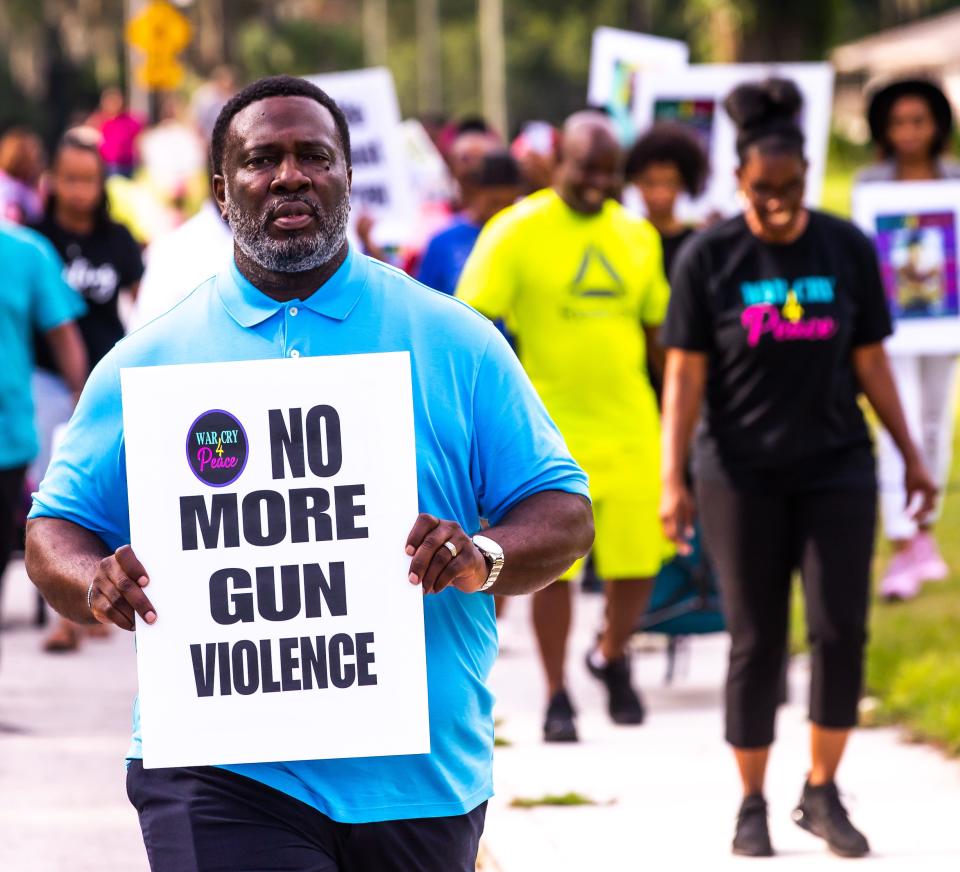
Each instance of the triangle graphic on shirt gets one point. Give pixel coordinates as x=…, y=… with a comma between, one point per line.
x=596, y=277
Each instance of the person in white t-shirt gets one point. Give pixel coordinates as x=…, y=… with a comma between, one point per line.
x=180, y=261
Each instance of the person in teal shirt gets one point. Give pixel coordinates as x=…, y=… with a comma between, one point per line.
x=485, y=449
x=33, y=296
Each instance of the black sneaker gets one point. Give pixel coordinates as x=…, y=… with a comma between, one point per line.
x=558, y=725
x=752, y=838
x=623, y=702
x=822, y=813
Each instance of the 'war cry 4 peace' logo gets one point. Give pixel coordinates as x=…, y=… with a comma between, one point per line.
x=217, y=448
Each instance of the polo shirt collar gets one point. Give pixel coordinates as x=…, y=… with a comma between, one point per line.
x=336, y=298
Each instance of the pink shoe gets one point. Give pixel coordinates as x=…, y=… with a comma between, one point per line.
x=929, y=563
x=901, y=580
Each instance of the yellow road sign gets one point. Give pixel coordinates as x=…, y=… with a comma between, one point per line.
x=161, y=33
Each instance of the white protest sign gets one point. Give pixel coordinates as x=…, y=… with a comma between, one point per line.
x=914, y=227
x=694, y=97
x=270, y=502
x=618, y=61
x=381, y=180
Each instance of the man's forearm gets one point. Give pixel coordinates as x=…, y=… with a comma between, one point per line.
x=541, y=538
x=62, y=559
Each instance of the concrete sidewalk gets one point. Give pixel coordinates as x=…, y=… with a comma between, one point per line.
x=64, y=730
x=666, y=791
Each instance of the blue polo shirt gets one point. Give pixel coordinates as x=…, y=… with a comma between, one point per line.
x=484, y=443
x=33, y=296
x=446, y=254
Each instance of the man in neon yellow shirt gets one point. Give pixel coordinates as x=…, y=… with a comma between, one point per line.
x=580, y=284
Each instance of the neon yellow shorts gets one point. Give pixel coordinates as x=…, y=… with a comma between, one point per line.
x=629, y=539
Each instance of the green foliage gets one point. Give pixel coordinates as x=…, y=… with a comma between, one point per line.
x=844, y=158
x=547, y=44
x=267, y=48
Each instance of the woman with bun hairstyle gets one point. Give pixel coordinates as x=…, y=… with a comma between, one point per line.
x=777, y=319
x=911, y=124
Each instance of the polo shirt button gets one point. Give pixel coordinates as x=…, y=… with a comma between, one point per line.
x=293, y=311
x=294, y=353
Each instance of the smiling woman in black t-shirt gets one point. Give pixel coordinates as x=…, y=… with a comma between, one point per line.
x=100, y=256
x=777, y=318
x=100, y=260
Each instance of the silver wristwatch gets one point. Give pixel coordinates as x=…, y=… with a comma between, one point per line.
x=493, y=554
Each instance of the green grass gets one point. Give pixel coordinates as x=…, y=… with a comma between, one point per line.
x=843, y=161
x=913, y=660
x=563, y=799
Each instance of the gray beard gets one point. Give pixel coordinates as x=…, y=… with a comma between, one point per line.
x=299, y=253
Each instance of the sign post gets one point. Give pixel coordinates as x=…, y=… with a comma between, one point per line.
x=270, y=502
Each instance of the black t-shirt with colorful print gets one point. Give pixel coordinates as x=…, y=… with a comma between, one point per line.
x=779, y=324
x=96, y=265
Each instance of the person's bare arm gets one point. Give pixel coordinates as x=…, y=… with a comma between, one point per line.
x=872, y=367
x=683, y=386
x=656, y=355
x=64, y=559
x=70, y=355
x=541, y=537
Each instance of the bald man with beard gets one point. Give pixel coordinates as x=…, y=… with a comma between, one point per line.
x=580, y=284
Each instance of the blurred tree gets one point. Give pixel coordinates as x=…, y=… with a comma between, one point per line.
x=59, y=53
x=265, y=47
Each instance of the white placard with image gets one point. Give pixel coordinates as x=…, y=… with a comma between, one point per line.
x=914, y=227
x=694, y=97
x=619, y=59
x=270, y=502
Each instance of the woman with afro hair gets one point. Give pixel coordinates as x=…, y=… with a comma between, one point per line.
x=664, y=163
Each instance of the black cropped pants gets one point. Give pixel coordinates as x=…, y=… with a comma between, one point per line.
x=756, y=542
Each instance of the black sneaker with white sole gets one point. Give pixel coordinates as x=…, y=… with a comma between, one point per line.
x=559, y=724
x=822, y=813
x=624, y=703
x=752, y=838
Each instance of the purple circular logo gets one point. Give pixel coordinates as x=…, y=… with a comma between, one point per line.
x=217, y=448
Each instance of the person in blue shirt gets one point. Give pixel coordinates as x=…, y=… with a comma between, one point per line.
x=496, y=185
x=33, y=296
x=485, y=449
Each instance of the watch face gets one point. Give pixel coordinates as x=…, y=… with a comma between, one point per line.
x=488, y=546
